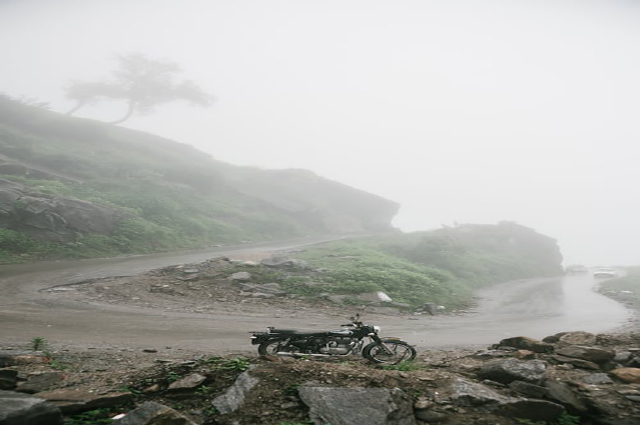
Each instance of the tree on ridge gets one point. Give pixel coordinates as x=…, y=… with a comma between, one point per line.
x=141, y=82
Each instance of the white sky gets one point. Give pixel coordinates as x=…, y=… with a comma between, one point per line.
x=472, y=111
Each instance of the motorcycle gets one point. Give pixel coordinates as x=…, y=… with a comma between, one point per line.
x=350, y=340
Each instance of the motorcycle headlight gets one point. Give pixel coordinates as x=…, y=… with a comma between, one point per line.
x=376, y=329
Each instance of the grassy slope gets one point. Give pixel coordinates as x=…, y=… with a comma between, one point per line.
x=174, y=195
x=410, y=270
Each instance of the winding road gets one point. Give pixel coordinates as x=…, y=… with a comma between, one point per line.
x=535, y=308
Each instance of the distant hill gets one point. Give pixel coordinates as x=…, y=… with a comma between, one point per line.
x=72, y=187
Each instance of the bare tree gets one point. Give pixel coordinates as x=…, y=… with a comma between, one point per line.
x=142, y=83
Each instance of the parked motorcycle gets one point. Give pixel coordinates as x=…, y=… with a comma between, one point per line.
x=350, y=340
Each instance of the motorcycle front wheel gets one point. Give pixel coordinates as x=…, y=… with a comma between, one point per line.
x=272, y=347
x=396, y=352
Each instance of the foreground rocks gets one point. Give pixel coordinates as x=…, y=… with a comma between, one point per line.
x=568, y=379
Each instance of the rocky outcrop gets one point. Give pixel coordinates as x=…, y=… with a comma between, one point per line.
x=53, y=218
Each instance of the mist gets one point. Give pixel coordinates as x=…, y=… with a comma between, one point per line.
x=462, y=111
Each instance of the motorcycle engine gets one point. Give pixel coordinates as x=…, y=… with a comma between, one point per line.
x=337, y=345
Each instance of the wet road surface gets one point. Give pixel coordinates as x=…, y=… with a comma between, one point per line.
x=534, y=308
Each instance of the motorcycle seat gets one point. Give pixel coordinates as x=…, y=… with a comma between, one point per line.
x=295, y=332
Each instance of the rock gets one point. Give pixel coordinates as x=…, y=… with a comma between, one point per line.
x=151, y=413
x=562, y=393
x=508, y=370
x=552, y=339
x=54, y=218
x=584, y=364
x=467, y=393
x=36, y=383
x=338, y=299
x=532, y=410
x=262, y=295
x=375, y=406
x=233, y=398
x=23, y=409
x=528, y=389
x=274, y=286
x=281, y=261
x=187, y=383
x=240, y=277
x=578, y=338
x=592, y=354
x=400, y=305
x=525, y=343
x=431, y=416
x=430, y=308
x=8, y=379
x=630, y=375
x=14, y=358
x=597, y=379
x=79, y=400
x=373, y=297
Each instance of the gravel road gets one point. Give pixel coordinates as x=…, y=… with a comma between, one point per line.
x=534, y=308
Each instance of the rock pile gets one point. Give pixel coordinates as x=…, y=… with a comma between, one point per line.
x=568, y=378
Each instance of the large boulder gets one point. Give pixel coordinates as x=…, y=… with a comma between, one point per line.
x=508, y=370
x=349, y=406
x=23, y=409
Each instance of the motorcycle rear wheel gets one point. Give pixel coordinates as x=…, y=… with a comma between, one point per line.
x=272, y=347
x=400, y=352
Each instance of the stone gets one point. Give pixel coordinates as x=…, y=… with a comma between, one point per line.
x=562, y=393
x=431, y=416
x=508, y=370
x=240, y=277
x=39, y=382
x=597, y=379
x=468, y=393
x=23, y=409
x=281, y=261
x=592, y=354
x=8, y=379
x=233, y=398
x=578, y=338
x=525, y=343
x=528, y=389
x=79, y=400
x=532, y=410
x=151, y=413
x=630, y=375
x=375, y=406
x=373, y=297
x=187, y=383
x=262, y=295
x=583, y=364
x=271, y=286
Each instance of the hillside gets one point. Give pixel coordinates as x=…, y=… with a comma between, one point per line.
x=72, y=187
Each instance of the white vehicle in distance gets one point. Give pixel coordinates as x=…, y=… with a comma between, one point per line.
x=605, y=272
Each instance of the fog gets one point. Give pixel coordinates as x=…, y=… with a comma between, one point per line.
x=462, y=111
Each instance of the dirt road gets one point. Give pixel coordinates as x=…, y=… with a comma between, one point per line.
x=534, y=308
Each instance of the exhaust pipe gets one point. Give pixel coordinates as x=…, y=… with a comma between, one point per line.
x=284, y=353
